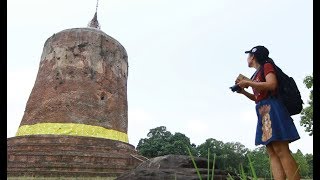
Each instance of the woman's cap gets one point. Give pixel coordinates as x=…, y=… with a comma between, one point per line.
x=259, y=51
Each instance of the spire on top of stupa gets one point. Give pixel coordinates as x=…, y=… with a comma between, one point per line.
x=94, y=21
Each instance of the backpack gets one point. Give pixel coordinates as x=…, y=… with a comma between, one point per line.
x=288, y=92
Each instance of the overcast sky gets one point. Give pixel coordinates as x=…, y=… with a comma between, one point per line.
x=183, y=57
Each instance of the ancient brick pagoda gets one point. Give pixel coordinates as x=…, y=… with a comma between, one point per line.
x=76, y=119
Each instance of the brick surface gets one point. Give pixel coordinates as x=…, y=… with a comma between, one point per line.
x=69, y=156
x=82, y=79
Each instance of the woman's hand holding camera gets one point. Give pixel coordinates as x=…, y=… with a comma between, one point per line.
x=243, y=83
x=240, y=83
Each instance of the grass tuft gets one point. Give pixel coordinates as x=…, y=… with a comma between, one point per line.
x=194, y=163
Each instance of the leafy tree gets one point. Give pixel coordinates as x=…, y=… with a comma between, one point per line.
x=215, y=147
x=309, y=158
x=302, y=163
x=177, y=144
x=260, y=160
x=234, y=155
x=156, y=142
x=161, y=142
x=228, y=155
x=307, y=112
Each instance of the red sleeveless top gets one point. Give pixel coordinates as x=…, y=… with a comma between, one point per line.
x=260, y=95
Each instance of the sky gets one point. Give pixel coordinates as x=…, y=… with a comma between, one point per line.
x=183, y=56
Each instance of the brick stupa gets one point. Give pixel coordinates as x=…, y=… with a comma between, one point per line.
x=76, y=119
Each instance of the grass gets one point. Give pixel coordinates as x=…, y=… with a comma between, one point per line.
x=243, y=175
x=213, y=163
x=252, y=169
x=58, y=178
x=195, y=165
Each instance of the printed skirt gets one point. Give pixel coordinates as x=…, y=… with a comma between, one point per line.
x=274, y=123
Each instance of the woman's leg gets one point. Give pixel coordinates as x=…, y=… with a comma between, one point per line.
x=276, y=166
x=281, y=148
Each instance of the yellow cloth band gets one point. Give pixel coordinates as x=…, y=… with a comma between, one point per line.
x=72, y=129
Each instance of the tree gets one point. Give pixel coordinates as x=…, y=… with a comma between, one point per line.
x=234, y=155
x=260, y=161
x=302, y=163
x=156, y=142
x=215, y=147
x=307, y=112
x=178, y=145
x=228, y=155
x=309, y=158
x=161, y=142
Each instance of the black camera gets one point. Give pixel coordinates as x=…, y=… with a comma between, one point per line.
x=235, y=88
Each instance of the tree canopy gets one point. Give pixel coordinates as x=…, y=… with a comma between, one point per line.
x=229, y=155
x=161, y=142
x=307, y=113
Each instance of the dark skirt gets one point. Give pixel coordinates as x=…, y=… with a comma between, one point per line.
x=274, y=123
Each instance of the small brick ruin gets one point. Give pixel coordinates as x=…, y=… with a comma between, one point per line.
x=76, y=119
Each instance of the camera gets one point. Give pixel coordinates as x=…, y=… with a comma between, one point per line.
x=235, y=88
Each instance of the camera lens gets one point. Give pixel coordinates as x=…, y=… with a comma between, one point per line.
x=234, y=88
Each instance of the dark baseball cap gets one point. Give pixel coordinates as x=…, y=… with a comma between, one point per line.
x=259, y=51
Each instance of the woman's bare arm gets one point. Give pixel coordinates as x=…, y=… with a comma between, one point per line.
x=247, y=94
x=269, y=85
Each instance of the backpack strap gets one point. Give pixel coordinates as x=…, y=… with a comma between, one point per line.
x=255, y=74
x=262, y=73
x=264, y=78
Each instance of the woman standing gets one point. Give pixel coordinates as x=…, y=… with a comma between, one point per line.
x=275, y=127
